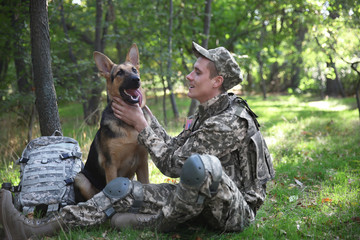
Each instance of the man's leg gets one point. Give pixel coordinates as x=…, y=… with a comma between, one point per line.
x=200, y=177
x=17, y=226
x=205, y=189
x=199, y=180
x=228, y=210
x=120, y=194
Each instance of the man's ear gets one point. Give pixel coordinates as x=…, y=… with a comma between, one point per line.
x=103, y=63
x=218, y=81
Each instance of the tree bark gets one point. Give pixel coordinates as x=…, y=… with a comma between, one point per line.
x=41, y=62
x=92, y=111
x=169, y=63
x=260, y=61
x=337, y=79
x=22, y=72
x=331, y=88
x=206, y=31
x=71, y=54
x=207, y=21
x=354, y=67
x=297, y=65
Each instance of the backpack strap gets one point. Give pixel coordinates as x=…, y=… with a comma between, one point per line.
x=52, y=208
x=57, y=133
x=253, y=115
x=64, y=156
x=260, y=158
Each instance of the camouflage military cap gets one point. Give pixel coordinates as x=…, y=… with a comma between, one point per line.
x=225, y=64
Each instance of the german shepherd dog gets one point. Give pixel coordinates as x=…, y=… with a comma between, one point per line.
x=115, y=151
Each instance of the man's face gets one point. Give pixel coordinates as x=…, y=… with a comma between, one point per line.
x=200, y=85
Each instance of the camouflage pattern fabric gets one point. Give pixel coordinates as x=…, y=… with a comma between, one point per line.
x=222, y=127
x=225, y=64
x=46, y=163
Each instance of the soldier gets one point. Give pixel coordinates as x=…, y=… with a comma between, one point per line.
x=220, y=156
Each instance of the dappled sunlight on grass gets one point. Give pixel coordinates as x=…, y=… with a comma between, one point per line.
x=320, y=148
x=316, y=150
x=329, y=106
x=157, y=177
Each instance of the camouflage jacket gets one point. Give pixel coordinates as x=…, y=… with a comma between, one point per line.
x=222, y=127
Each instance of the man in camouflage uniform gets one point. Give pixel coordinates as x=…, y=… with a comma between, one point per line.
x=220, y=156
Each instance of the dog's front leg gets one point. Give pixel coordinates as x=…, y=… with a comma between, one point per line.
x=142, y=172
x=110, y=173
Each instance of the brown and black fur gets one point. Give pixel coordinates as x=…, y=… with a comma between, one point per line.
x=115, y=151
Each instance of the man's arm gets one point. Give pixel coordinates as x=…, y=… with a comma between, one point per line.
x=217, y=136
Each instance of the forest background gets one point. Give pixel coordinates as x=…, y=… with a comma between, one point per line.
x=290, y=53
x=292, y=47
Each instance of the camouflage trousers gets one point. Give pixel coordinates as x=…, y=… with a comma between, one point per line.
x=226, y=210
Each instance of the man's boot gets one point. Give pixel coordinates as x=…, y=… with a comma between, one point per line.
x=17, y=226
x=142, y=221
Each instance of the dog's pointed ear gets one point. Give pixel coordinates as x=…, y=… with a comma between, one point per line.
x=133, y=56
x=103, y=63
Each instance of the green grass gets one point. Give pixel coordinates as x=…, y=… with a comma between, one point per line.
x=316, y=150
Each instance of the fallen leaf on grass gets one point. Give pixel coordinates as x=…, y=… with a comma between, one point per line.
x=356, y=219
x=176, y=236
x=326, y=200
x=353, y=219
x=306, y=133
x=299, y=183
x=273, y=199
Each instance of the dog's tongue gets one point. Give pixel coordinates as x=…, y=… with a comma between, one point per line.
x=135, y=95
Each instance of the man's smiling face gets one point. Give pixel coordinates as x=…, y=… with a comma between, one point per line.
x=201, y=86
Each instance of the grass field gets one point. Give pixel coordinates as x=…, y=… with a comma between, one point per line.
x=316, y=150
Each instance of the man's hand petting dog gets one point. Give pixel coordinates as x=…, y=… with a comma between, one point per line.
x=131, y=114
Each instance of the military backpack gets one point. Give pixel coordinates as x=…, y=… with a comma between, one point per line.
x=48, y=166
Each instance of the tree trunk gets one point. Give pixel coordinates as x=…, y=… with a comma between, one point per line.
x=333, y=86
x=41, y=61
x=109, y=17
x=92, y=111
x=322, y=80
x=337, y=79
x=207, y=21
x=117, y=43
x=72, y=57
x=354, y=67
x=22, y=73
x=206, y=31
x=164, y=100
x=297, y=65
x=260, y=61
x=169, y=63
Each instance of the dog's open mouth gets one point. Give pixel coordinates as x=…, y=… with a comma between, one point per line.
x=131, y=96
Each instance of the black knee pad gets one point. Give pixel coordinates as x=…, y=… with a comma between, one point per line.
x=118, y=188
x=121, y=187
x=195, y=170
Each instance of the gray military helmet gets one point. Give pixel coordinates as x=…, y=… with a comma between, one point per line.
x=225, y=64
